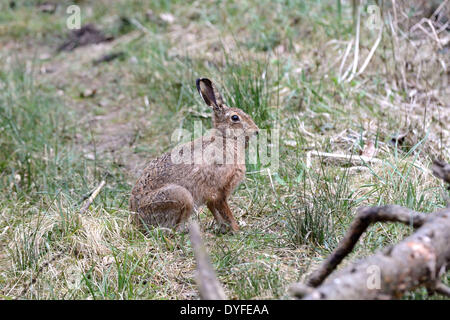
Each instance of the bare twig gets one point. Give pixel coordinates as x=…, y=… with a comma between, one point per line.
x=432, y=35
x=356, y=52
x=92, y=197
x=344, y=59
x=395, y=42
x=209, y=286
x=371, y=53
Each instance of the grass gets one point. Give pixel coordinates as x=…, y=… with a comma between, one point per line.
x=276, y=61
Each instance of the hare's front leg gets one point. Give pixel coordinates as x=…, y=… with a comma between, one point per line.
x=223, y=214
x=168, y=206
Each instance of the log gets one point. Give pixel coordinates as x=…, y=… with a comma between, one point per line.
x=419, y=260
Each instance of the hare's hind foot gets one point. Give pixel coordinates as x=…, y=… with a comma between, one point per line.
x=169, y=206
x=219, y=228
x=223, y=216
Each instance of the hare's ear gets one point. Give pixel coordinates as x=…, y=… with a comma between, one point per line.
x=209, y=93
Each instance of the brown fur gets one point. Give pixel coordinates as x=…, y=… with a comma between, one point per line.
x=167, y=192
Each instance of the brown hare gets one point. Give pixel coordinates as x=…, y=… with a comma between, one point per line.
x=203, y=171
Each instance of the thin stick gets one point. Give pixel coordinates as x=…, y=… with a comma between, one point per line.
x=271, y=181
x=393, y=25
x=341, y=157
x=442, y=5
x=371, y=53
x=92, y=197
x=208, y=285
x=356, y=55
x=344, y=59
x=433, y=36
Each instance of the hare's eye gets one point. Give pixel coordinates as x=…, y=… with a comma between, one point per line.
x=235, y=117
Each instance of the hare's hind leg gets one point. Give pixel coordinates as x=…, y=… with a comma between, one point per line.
x=168, y=206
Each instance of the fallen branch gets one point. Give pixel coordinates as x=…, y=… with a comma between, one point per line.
x=363, y=220
x=208, y=285
x=419, y=260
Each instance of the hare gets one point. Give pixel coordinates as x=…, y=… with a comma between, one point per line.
x=169, y=188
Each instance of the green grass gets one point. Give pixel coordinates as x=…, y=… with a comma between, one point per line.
x=273, y=59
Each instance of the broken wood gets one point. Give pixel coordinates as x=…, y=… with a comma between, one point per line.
x=208, y=285
x=363, y=220
x=419, y=260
